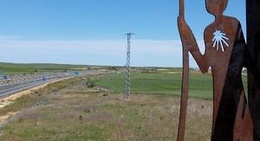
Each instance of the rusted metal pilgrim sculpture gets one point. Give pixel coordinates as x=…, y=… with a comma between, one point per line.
x=224, y=54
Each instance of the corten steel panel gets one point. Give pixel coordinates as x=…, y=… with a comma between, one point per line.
x=225, y=50
x=253, y=62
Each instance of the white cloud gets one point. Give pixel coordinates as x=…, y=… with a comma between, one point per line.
x=96, y=52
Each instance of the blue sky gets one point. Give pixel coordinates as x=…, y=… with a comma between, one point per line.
x=92, y=31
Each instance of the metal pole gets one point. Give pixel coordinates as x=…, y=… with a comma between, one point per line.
x=185, y=79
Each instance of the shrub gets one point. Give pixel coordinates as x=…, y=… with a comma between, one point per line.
x=91, y=83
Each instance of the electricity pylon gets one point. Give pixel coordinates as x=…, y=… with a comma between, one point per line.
x=127, y=67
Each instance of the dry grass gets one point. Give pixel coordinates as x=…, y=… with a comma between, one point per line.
x=75, y=112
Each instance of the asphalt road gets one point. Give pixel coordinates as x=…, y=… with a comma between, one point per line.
x=18, y=83
x=21, y=83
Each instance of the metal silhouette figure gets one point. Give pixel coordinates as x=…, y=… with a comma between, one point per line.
x=224, y=54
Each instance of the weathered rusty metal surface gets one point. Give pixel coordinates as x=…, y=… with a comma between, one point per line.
x=225, y=54
x=243, y=124
x=185, y=79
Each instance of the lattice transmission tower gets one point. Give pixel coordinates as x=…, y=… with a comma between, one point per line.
x=127, y=67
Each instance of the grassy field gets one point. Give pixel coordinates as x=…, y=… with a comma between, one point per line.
x=18, y=68
x=70, y=111
x=159, y=83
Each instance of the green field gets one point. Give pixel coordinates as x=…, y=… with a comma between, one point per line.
x=20, y=68
x=70, y=111
x=159, y=83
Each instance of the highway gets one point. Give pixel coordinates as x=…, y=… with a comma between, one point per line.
x=17, y=83
x=20, y=83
